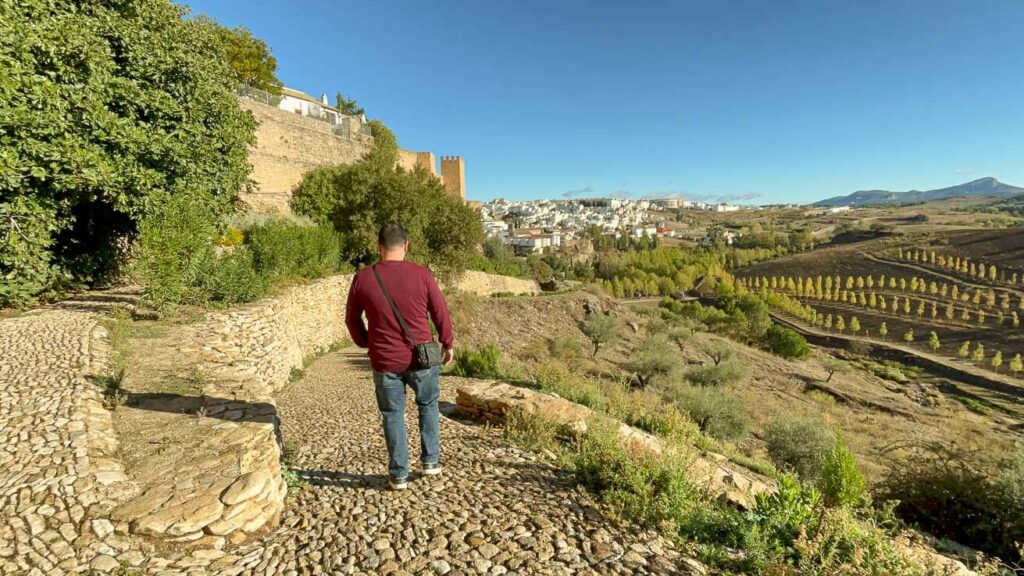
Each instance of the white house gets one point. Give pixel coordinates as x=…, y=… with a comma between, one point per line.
x=304, y=104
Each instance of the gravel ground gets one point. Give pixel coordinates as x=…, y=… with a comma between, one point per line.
x=494, y=510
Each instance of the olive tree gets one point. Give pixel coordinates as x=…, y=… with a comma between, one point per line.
x=602, y=330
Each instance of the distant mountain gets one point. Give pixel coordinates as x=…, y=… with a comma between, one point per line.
x=979, y=187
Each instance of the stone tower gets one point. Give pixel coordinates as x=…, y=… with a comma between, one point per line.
x=453, y=174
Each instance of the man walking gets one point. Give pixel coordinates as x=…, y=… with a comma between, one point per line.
x=396, y=331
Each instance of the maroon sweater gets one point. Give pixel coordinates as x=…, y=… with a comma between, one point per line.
x=415, y=293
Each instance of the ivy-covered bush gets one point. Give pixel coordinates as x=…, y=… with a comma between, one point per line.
x=108, y=109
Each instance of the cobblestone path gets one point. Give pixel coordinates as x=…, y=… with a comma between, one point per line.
x=51, y=496
x=494, y=510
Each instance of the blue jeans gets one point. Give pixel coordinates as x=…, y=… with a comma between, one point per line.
x=390, y=390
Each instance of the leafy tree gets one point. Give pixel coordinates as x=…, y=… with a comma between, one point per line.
x=908, y=336
x=347, y=106
x=108, y=109
x=357, y=198
x=787, y=343
x=799, y=444
x=717, y=412
x=965, y=349
x=979, y=353
x=249, y=57
x=833, y=365
x=602, y=330
x=681, y=335
x=1016, y=365
x=719, y=353
x=933, y=341
x=724, y=374
x=883, y=330
x=840, y=323
x=654, y=362
x=854, y=325
x=997, y=360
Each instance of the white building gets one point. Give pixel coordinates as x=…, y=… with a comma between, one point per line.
x=641, y=231
x=838, y=209
x=306, y=105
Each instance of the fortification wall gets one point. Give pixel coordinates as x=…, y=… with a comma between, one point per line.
x=287, y=146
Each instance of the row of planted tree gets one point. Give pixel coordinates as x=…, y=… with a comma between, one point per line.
x=838, y=323
x=960, y=265
x=930, y=299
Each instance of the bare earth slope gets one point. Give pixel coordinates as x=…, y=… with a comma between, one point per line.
x=879, y=417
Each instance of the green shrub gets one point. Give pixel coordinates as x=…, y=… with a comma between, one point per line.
x=724, y=374
x=791, y=534
x=231, y=278
x=841, y=482
x=231, y=237
x=780, y=517
x=27, y=266
x=283, y=249
x=649, y=412
x=1011, y=476
x=888, y=372
x=175, y=243
x=949, y=495
x=483, y=362
x=530, y=431
x=556, y=377
x=787, y=343
x=568, y=349
x=799, y=445
x=642, y=486
x=717, y=412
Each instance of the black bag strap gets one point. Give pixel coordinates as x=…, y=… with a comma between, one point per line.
x=398, y=315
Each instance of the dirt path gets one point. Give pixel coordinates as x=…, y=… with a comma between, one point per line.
x=969, y=372
x=494, y=510
x=949, y=277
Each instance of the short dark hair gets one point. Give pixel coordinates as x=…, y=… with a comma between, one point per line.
x=392, y=235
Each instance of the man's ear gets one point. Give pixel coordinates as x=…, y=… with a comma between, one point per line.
x=406, y=246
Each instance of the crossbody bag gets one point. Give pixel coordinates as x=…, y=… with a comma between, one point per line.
x=428, y=354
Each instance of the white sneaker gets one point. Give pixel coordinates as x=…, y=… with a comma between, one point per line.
x=398, y=483
x=431, y=468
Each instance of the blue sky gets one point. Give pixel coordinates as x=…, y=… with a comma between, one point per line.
x=754, y=101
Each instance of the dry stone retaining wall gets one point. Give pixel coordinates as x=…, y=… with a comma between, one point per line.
x=484, y=284
x=252, y=350
x=233, y=487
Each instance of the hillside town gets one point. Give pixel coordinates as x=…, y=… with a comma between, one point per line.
x=533, y=225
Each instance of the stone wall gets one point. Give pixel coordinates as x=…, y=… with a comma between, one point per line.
x=230, y=486
x=483, y=284
x=287, y=146
x=251, y=350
